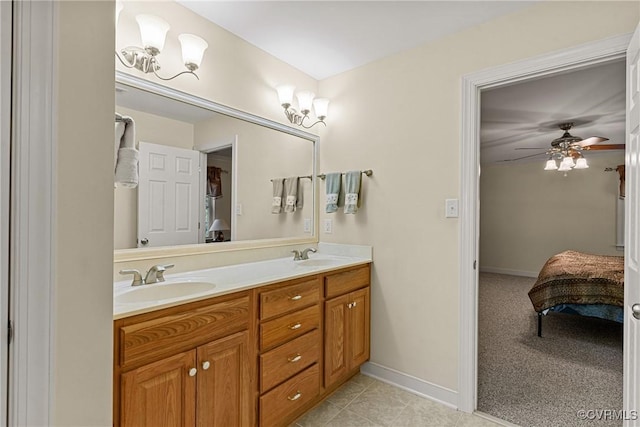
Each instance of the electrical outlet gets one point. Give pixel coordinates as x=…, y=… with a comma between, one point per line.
x=328, y=226
x=307, y=225
x=451, y=208
x=239, y=209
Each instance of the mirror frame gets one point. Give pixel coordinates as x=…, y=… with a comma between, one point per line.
x=136, y=254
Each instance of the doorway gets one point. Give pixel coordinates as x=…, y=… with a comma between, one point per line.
x=570, y=59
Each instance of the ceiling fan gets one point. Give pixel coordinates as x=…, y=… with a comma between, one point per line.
x=568, y=149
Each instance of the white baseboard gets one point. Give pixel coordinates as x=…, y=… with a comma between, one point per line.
x=508, y=271
x=411, y=384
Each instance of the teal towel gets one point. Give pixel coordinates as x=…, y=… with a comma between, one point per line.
x=352, y=191
x=332, y=189
x=276, y=203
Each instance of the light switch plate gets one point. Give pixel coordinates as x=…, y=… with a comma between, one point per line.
x=239, y=209
x=328, y=226
x=307, y=225
x=451, y=208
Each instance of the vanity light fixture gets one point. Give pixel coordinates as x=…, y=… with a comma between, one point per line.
x=153, y=33
x=305, y=100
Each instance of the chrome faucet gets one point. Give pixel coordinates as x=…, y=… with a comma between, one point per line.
x=305, y=253
x=156, y=273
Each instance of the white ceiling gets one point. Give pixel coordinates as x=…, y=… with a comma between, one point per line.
x=324, y=38
x=528, y=114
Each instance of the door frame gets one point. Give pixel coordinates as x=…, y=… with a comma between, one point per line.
x=584, y=55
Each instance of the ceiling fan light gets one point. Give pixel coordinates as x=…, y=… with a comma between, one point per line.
x=564, y=167
x=581, y=163
x=551, y=165
x=568, y=160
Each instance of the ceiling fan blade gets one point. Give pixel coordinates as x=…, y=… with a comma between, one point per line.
x=530, y=148
x=590, y=141
x=605, y=147
x=525, y=157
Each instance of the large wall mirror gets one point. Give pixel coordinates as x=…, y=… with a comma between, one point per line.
x=206, y=175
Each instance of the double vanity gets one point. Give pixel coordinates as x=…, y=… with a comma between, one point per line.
x=242, y=345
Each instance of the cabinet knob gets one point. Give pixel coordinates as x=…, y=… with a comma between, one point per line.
x=295, y=358
x=193, y=372
x=206, y=365
x=355, y=303
x=295, y=298
x=296, y=326
x=296, y=396
x=350, y=305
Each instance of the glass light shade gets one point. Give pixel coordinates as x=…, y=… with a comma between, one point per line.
x=321, y=106
x=568, y=160
x=285, y=94
x=581, y=163
x=219, y=225
x=153, y=31
x=551, y=165
x=305, y=99
x=564, y=167
x=119, y=7
x=193, y=48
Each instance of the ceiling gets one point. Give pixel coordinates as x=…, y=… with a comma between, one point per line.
x=325, y=38
x=527, y=114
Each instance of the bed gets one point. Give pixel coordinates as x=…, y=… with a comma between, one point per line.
x=579, y=283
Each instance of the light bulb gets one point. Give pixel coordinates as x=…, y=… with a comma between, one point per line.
x=581, y=163
x=320, y=106
x=153, y=32
x=551, y=165
x=305, y=99
x=193, y=48
x=568, y=160
x=285, y=94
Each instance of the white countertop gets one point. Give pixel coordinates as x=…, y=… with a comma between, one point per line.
x=232, y=278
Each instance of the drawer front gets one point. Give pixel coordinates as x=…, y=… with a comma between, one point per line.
x=342, y=283
x=278, y=331
x=290, y=298
x=287, y=360
x=278, y=406
x=150, y=340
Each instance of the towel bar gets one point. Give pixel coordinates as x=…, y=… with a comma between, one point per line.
x=367, y=172
x=306, y=176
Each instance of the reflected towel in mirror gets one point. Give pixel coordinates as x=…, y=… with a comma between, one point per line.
x=276, y=203
x=126, y=168
x=291, y=194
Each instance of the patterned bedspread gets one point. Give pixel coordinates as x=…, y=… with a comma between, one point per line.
x=572, y=277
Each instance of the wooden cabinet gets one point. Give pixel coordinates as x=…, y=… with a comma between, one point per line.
x=186, y=366
x=262, y=356
x=346, y=327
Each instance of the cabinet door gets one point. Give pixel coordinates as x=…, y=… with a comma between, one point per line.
x=224, y=384
x=160, y=393
x=335, y=339
x=359, y=322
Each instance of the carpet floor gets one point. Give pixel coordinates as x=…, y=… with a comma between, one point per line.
x=531, y=381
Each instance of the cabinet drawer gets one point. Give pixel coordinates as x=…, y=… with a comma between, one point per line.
x=167, y=335
x=290, y=298
x=341, y=283
x=287, y=360
x=278, y=331
x=280, y=403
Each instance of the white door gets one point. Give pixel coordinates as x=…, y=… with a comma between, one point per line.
x=632, y=246
x=168, y=195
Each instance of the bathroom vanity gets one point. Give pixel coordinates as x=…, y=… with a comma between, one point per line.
x=250, y=351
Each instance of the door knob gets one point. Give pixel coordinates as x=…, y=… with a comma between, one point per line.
x=144, y=241
x=636, y=310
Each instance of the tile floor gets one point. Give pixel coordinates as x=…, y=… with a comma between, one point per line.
x=364, y=401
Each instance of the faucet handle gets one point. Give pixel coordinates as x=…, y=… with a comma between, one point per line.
x=160, y=269
x=137, y=277
x=296, y=255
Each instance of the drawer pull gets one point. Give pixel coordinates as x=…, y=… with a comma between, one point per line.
x=296, y=298
x=206, y=365
x=193, y=372
x=296, y=396
x=296, y=326
x=295, y=358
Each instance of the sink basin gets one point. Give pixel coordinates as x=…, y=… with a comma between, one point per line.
x=163, y=291
x=315, y=262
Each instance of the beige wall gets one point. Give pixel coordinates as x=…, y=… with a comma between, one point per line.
x=81, y=326
x=400, y=116
x=262, y=154
x=156, y=130
x=528, y=214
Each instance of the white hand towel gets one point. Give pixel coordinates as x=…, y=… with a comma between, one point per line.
x=126, y=170
x=333, y=181
x=352, y=191
x=276, y=203
x=291, y=194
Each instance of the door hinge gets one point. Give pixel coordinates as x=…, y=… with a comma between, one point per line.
x=10, y=332
x=474, y=264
